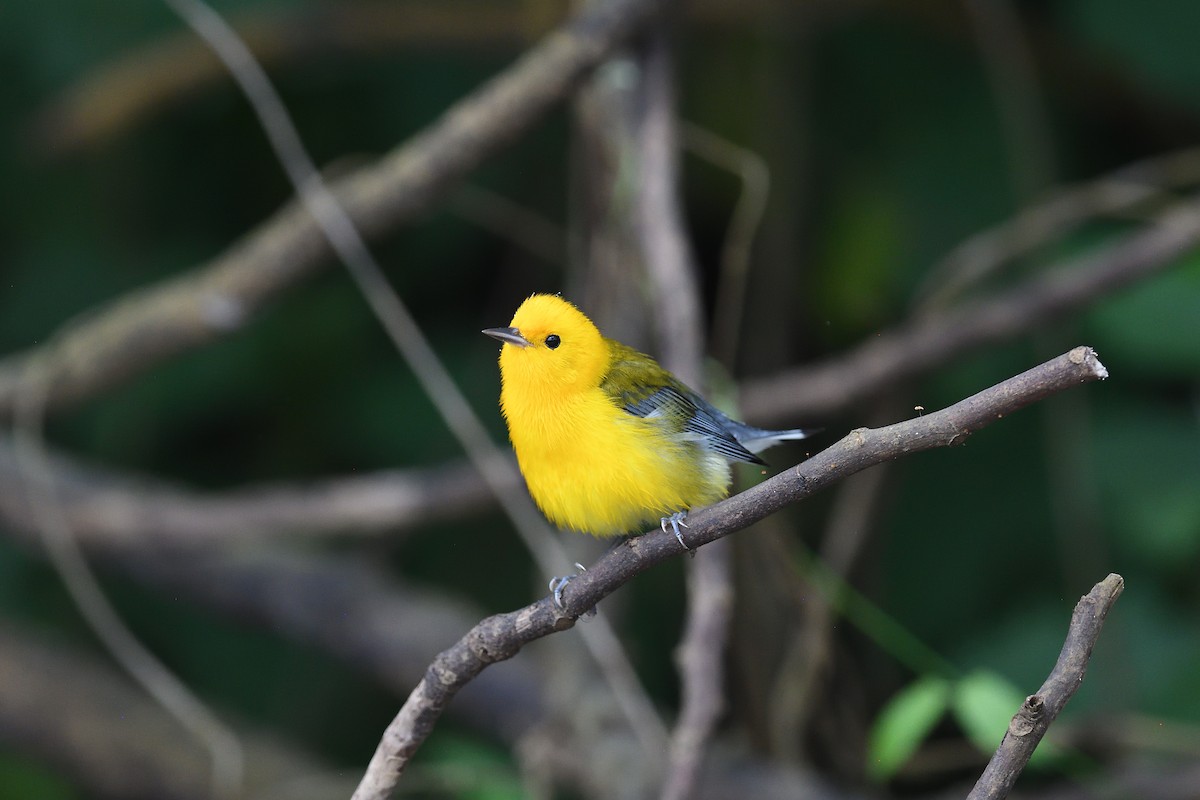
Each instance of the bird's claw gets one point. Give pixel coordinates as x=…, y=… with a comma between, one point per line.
x=557, y=585
x=675, y=520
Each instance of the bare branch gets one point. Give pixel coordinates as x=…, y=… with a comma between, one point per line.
x=821, y=389
x=344, y=606
x=666, y=250
x=382, y=627
x=391, y=312
x=701, y=657
x=64, y=708
x=110, y=507
x=122, y=94
x=1133, y=191
x=501, y=636
x=837, y=383
x=146, y=328
x=1040, y=709
x=670, y=264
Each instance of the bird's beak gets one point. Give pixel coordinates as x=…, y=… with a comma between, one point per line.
x=508, y=336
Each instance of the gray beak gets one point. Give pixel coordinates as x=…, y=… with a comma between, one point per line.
x=508, y=336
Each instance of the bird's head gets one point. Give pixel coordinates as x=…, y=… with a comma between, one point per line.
x=550, y=345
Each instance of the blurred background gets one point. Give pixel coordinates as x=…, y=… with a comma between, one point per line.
x=279, y=513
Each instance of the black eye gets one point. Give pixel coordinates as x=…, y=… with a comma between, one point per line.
x=552, y=341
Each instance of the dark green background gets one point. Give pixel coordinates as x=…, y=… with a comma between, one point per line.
x=886, y=148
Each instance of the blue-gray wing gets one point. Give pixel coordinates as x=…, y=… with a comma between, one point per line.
x=699, y=419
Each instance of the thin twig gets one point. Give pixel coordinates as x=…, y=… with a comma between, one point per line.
x=107, y=506
x=665, y=246
x=84, y=720
x=1008, y=60
x=65, y=555
x=1133, y=190
x=810, y=653
x=143, y=329
x=701, y=659
x=818, y=390
x=343, y=605
x=501, y=636
x=509, y=220
x=1041, y=709
x=337, y=226
x=121, y=95
x=676, y=299
x=744, y=222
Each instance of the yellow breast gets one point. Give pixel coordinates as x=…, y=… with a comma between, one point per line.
x=592, y=467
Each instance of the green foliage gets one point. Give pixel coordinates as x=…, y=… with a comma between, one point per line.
x=457, y=767
x=886, y=144
x=21, y=779
x=983, y=704
x=905, y=722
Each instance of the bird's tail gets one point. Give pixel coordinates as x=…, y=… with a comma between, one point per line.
x=758, y=439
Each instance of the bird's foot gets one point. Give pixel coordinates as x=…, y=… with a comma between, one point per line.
x=557, y=585
x=675, y=520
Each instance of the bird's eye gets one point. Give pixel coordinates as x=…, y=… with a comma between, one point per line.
x=552, y=341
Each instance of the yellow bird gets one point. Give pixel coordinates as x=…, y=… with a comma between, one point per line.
x=606, y=438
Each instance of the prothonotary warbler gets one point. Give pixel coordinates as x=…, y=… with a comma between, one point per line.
x=606, y=438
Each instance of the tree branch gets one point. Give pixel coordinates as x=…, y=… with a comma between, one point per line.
x=501, y=636
x=818, y=390
x=65, y=708
x=148, y=327
x=122, y=94
x=111, y=507
x=1040, y=709
x=671, y=267
x=701, y=659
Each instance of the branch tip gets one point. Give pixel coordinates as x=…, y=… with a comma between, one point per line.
x=1087, y=356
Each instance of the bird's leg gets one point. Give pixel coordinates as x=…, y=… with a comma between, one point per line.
x=675, y=520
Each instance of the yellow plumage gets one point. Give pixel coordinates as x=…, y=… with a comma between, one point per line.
x=606, y=439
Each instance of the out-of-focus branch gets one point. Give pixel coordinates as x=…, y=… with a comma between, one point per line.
x=665, y=246
x=410, y=341
x=810, y=655
x=701, y=659
x=1149, y=779
x=821, y=389
x=121, y=94
x=677, y=311
x=670, y=264
x=66, y=710
x=1039, y=710
x=502, y=636
x=816, y=390
x=1134, y=191
x=108, y=507
x=745, y=219
x=377, y=624
x=145, y=328
x=343, y=606
x=1007, y=56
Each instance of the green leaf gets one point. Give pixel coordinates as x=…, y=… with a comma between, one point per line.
x=984, y=703
x=21, y=778
x=904, y=723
